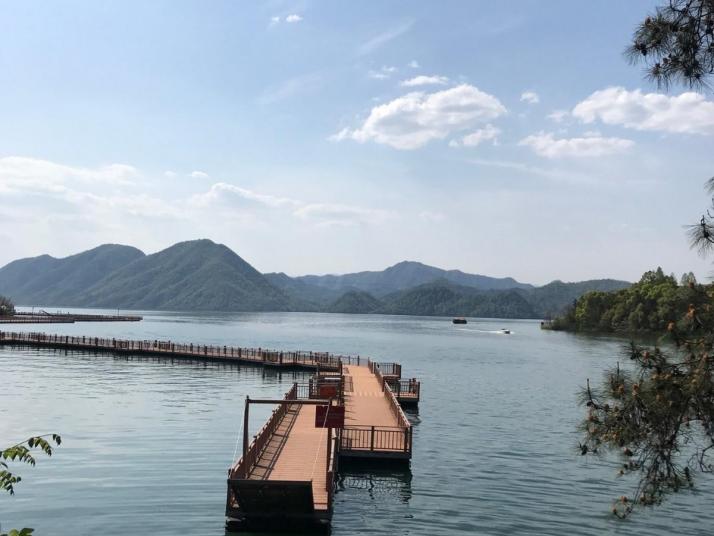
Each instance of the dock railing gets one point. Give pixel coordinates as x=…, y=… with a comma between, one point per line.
x=381, y=438
x=376, y=439
x=245, y=465
x=324, y=360
x=404, y=388
x=393, y=370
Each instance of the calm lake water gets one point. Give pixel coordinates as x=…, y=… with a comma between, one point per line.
x=147, y=442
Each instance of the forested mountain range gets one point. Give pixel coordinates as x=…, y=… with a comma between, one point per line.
x=203, y=275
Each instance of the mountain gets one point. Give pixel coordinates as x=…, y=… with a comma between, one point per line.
x=552, y=299
x=355, y=301
x=47, y=280
x=201, y=275
x=195, y=275
x=404, y=275
x=313, y=297
x=443, y=298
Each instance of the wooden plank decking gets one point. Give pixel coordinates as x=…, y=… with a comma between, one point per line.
x=297, y=451
x=367, y=404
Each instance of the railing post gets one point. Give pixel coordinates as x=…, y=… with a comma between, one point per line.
x=245, y=427
x=371, y=444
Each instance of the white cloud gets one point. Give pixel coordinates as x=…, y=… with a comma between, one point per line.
x=229, y=194
x=689, y=112
x=23, y=172
x=545, y=144
x=199, y=175
x=293, y=18
x=383, y=38
x=274, y=20
x=327, y=214
x=170, y=174
x=414, y=64
x=231, y=197
x=531, y=97
x=415, y=119
x=383, y=73
x=425, y=81
x=489, y=132
x=558, y=116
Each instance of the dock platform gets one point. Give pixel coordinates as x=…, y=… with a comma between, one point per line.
x=286, y=476
x=285, y=479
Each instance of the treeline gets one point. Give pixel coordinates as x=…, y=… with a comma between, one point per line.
x=654, y=304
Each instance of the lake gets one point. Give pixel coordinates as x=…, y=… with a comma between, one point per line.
x=147, y=443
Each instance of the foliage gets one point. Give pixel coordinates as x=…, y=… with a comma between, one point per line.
x=21, y=532
x=660, y=413
x=701, y=235
x=676, y=43
x=647, y=306
x=7, y=308
x=22, y=453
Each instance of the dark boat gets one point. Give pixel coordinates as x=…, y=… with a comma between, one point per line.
x=459, y=321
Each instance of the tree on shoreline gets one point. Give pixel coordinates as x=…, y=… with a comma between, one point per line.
x=659, y=413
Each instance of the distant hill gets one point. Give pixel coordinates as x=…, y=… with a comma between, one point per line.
x=46, y=280
x=552, y=299
x=404, y=275
x=355, y=301
x=443, y=298
x=312, y=297
x=195, y=275
x=200, y=275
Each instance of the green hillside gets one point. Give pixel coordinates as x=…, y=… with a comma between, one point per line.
x=195, y=275
x=46, y=280
x=650, y=305
x=355, y=301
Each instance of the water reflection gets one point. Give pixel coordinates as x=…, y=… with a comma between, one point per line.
x=379, y=483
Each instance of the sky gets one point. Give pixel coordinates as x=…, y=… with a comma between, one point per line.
x=505, y=139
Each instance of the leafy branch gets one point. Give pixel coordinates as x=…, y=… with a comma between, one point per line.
x=22, y=453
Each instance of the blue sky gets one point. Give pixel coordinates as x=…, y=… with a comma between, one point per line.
x=328, y=137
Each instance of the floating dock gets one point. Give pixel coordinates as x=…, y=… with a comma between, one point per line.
x=44, y=317
x=285, y=479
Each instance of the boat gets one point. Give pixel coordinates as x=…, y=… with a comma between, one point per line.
x=505, y=331
x=459, y=320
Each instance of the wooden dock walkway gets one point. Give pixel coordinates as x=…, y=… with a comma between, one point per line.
x=170, y=349
x=285, y=478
